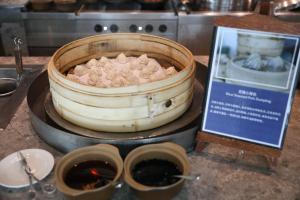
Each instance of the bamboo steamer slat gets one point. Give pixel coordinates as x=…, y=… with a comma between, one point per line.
x=136, y=112
x=126, y=125
x=122, y=109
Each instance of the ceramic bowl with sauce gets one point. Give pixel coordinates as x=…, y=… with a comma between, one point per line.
x=149, y=170
x=89, y=173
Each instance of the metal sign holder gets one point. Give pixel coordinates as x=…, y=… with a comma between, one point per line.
x=257, y=23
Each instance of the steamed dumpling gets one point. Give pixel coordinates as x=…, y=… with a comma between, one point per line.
x=276, y=64
x=80, y=70
x=143, y=59
x=122, y=58
x=91, y=63
x=254, y=61
x=170, y=71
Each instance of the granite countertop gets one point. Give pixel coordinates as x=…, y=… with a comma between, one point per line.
x=26, y=60
x=224, y=173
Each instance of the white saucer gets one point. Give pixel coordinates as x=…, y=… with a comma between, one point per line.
x=12, y=172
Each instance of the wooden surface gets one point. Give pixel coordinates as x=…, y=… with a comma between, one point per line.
x=259, y=23
x=245, y=146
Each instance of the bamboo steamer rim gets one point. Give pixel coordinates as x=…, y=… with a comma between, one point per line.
x=131, y=88
x=121, y=113
x=132, y=125
x=53, y=72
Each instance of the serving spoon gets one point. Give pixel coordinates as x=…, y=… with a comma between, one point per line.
x=193, y=177
x=31, y=191
x=47, y=189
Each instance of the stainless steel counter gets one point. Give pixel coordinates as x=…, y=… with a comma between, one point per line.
x=45, y=32
x=288, y=16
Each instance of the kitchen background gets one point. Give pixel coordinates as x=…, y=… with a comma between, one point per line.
x=46, y=26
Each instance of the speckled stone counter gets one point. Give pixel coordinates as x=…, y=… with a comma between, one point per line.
x=26, y=60
x=224, y=174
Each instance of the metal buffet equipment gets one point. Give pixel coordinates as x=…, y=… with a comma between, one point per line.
x=46, y=26
x=48, y=124
x=288, y=10
x=66, y=136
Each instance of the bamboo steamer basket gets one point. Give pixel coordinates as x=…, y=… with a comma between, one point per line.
x=122, y=109
x=265, y=46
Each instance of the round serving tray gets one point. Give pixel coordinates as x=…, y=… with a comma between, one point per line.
x=189, y=116
x=66, y=137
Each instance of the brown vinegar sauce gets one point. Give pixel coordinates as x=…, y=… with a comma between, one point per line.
x=156, y=172
x=90, y=175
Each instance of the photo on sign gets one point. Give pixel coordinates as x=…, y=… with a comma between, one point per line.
x=256, y=59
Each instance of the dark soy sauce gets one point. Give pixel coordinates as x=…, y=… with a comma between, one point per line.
x=156, y=172
x=90, y=175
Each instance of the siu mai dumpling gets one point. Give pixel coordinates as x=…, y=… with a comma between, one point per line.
x=170, y=71
x=122, y=59
x=80, y=70
x=91, y=63
x=143, y=59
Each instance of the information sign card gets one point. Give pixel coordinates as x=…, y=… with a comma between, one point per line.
x=251, y=85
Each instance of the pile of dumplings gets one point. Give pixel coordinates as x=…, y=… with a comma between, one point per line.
x=120, y=71
x=259, y=63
